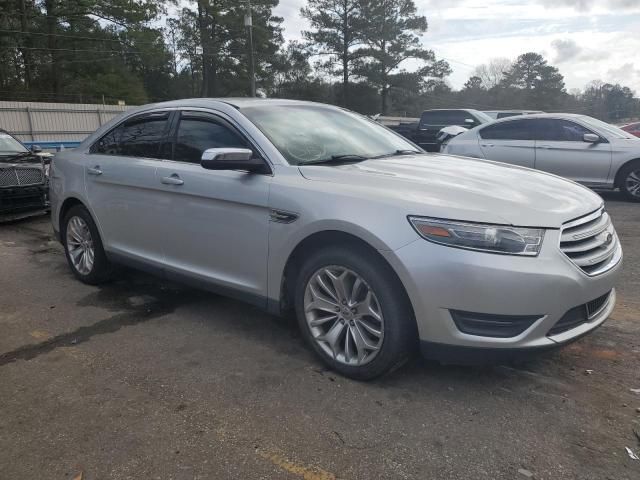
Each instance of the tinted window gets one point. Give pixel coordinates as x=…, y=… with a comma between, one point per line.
x=560, y=131
x=445, y=118
x=513, y=130
x=139, y=136
x=197, y=134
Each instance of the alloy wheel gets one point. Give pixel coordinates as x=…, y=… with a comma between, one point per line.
x=632, y=183
x=80, y=245
x=343, y=315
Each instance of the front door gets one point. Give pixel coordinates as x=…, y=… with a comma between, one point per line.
x=510, y=141
x=217, y=223
x=121, y=186
x=561, y=149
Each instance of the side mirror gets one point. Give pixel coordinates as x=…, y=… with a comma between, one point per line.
x=591, y=138
x=231, y=159
x=36, y=149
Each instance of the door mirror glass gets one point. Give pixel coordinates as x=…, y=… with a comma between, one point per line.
x=36, y=149
x=231, y=159
x=469, y=121
x=591, y=138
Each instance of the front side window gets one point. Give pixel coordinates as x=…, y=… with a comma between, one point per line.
x=139, y=136
x=558, y=130
x=307, y=133
x=199, y=133
x=511, y=130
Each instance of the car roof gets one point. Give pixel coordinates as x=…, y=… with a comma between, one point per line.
x=236, y=102
x=533, y=116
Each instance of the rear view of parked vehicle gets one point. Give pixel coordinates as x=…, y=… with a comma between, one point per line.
x=378, y=248
x=23, y=180
x=578, y=147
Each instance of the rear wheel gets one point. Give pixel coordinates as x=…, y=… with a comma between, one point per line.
x=630, y=181
x=83, y=247
x=354, y=313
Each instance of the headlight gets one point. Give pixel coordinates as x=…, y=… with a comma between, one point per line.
x=480, y=236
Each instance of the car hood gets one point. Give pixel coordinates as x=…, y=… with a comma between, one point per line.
x=9, y=160
x=463, y=189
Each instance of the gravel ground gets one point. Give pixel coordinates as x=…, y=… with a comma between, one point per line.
x=142, y=379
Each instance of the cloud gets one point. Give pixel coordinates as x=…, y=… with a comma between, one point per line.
x=565, y=50
x=586, y=5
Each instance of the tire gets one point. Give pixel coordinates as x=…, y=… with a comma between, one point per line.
x=388, y=301
x=627, y=183
x=100, y=270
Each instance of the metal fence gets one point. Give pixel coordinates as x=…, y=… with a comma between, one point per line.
x=53, y=123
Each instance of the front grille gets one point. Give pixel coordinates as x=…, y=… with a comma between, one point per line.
x=20, y=176
x=580, y=314
x=591, y=243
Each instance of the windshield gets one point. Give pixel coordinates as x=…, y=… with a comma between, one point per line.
x=606, y=127
x=308, y=134
x=9, y=145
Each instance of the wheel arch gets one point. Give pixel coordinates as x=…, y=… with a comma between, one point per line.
x=617, y=183
x=66, y=205
x=316, y=241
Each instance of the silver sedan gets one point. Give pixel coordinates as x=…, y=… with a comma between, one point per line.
x=578, y=147
x=377, y=247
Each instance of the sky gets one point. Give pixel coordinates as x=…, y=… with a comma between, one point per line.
x=586, y=39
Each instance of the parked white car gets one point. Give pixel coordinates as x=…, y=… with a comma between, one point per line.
x=578, y=147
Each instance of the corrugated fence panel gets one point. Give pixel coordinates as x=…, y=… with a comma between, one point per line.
x=36, y=121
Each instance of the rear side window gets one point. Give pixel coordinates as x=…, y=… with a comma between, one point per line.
x=139, y=136
x=198, y=133
x=561, y=131
x=513, y=130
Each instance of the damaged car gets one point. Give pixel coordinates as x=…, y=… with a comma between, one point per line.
x=24, y=181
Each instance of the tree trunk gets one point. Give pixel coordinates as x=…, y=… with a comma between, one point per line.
x=52, y=26
x=345, y=56
x=384, y=95
x=25, y=44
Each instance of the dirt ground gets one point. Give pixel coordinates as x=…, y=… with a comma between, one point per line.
x=141, y=379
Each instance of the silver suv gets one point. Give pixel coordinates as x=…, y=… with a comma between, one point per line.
x=376, y=246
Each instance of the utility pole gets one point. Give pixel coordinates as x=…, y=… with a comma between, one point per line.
x=248, y=23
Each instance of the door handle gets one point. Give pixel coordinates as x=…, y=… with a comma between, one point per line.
x=546, y=147
x=488, y=145
x=172, y=180
x=94, y=171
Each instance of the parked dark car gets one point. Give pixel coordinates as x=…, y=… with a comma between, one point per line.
x=24, y=183
x=425, y=132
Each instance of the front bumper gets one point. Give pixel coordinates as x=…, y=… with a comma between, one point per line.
x=22, y=202
x=441, y=279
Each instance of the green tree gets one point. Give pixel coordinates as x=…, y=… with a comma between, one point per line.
x=223, y=43
x=336, y=32
x=392, y=35
x=541, y=83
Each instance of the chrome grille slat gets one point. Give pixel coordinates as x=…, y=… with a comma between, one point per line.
x=591, y=243
x=20, y=176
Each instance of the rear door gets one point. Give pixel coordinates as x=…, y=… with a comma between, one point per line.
x=561, y=149
x=217, y=222
x=122, y=189
x=511, y=141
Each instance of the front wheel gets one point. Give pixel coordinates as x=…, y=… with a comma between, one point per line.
x=630, y=181
x=354, y=313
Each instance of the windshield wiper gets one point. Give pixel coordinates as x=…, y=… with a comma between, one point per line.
x=337, y=159
x=397, y=152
